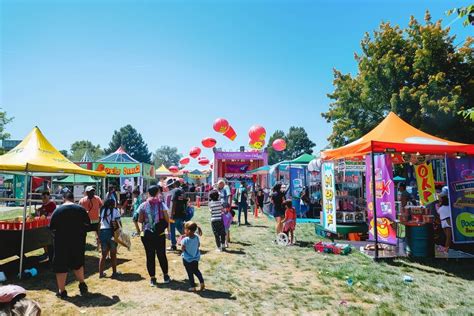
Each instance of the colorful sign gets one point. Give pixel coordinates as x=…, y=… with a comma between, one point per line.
x=385, y=199
x=148, y=171
x=241, y=155
x=119, y=169
x=461, y=197
x=329, y=196
x=297, y=179
x=425, y=182
x=237, y=167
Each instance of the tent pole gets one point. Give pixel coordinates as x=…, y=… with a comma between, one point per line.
x=25, y=193
x=374, y=201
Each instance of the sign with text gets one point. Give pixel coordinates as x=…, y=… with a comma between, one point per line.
x=119, y=169
x=461, y=198
x=425, y=182
x=384, y=197
x=329, y=196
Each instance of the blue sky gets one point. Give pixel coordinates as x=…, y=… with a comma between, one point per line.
x=80, y=69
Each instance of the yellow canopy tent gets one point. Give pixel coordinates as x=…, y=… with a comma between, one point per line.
x=162, y=171
x=36, y=156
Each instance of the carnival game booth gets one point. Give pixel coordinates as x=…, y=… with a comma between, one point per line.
x=235, y=166
x=34, y=156
x=124, y=171
x=394, y=141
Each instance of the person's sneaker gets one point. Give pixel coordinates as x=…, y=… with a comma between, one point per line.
x=202, y=287
x=62, y=295
x=116, y=274
x=102, y=275
x=166, y=279
x=83, y=289
x=153, y=282
x=226, y=244
x=172, y=248
x=247, y=224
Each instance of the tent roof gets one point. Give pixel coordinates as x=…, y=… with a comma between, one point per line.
x=262, y=170
x=163, y=171
x=397, y=135
x=77, y=179
x=118, y=156
x=304, y=158
x=35, y=154
x=86, y=157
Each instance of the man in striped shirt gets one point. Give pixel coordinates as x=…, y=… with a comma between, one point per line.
x=216, y=207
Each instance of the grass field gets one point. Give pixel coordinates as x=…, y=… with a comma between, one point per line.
x=258, y=277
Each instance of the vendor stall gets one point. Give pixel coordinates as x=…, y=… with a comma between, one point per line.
x=235, y=166
x=394, y=141
x=34, y=156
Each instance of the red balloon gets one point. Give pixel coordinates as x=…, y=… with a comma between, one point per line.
x=221, y=125
x=203, y=161
x=195, y=152
x=279, y=144
x=184, y=161
x=173, y=169
x=209, y=142
x=256, y=144
x=257, y=132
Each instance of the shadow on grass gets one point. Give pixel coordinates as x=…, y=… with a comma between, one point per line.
x=255, y=226
x=242, y=243
x=458, y=268
x=129, y=277
x=304, y=244
x=93, y=300
x=178, y=285
x=235, y=251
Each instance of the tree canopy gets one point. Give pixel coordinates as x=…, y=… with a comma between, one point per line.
x=4, y=120
x=416, y=72
x=167, y=156
x=132, y=142
x=78, y=148
x=297, y=143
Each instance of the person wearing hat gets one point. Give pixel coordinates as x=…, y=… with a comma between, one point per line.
x=92, y=204
x=444, y=212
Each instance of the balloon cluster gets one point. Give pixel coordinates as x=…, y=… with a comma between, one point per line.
x=222, y=126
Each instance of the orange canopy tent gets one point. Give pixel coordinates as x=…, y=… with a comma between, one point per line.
x=395, y=135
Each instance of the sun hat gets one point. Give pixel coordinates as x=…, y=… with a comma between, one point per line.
x=444, y=191
x=90, y=188
x=9, y=292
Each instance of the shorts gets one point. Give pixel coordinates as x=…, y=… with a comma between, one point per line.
x=278, y=213
x=106, y=239
x=68, y=256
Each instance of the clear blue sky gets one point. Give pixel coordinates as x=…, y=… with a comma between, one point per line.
x=80, y=69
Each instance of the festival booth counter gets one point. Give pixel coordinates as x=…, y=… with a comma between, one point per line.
x=235, y=166
x=407, y=230
x=34, y=156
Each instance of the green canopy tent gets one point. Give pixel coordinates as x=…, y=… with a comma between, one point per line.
x=81, y=179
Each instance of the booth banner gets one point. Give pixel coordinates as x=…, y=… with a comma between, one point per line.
x=297, y=176
x=119, y=169
x=329, y=197
x=237, y=167
x=461, y=197
x=148, y=171
x=385, y=199
x=425, y=183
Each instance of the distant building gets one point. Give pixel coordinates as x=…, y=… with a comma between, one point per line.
x=8, y=144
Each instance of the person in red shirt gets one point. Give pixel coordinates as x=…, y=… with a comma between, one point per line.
x=92, y=204
x=289, y=223
x=48, y=206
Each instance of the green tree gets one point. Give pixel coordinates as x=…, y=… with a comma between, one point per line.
x=167, y=156
x=78, y=149
x=416, y=72
x=65, y=153
x=466, y=13
x=297, y=143
x=132, y=142
x=4, y=120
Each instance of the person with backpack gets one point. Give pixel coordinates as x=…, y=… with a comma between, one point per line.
x=241, y=199
x=109, y=222
x=153, y=216
x=178, y=211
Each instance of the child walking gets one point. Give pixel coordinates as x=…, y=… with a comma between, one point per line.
x=191, y=255
x=217, y=211
x=289, y=223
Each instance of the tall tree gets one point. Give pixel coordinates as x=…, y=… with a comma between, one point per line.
x=416, y=72
x=297, y=143
x=166, y=155
x=132, y=142
x=78, y=148
x=65, y=153
x=4, y=120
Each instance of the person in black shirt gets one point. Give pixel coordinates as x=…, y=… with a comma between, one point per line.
x=277, y=199
x=69, y=224
x=178, y=212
